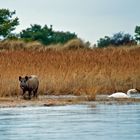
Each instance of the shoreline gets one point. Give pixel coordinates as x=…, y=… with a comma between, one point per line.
x=62, y=100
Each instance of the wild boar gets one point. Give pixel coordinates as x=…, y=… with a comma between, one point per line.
x=29, y=84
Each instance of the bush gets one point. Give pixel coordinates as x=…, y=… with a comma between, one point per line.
x=46, y=35
x=116, y=40
x=75, y=44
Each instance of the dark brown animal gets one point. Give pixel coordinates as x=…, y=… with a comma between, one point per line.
x=29, y=84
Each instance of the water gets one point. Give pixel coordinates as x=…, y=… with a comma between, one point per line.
x=72, y=122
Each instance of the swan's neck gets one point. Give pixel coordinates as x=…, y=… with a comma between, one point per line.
x=129, y=93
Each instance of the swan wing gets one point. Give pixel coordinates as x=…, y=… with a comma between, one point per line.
x=118, y=95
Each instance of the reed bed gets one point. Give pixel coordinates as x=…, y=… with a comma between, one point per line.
x=85, y=72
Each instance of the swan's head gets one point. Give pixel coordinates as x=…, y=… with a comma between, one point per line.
x=132, y=90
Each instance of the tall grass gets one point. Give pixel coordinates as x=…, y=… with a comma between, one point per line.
x=79, y=72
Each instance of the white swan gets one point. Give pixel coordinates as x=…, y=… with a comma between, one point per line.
x=123, y=95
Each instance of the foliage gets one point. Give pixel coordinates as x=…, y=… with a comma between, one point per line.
x=46, y=35
x=137, y=33
x=121, y=39
x=7, y=22
x=103, y=42
x=117, y=39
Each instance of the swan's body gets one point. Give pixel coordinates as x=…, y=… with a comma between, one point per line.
x=123, y=95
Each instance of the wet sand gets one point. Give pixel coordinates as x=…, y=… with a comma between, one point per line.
x=41, y=101
x=62, y=100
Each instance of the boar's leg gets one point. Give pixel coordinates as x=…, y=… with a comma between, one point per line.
x=35, y=93
x=23, y=92
x=29, y=94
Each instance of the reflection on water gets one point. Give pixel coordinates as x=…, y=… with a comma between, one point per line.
x=73, y=122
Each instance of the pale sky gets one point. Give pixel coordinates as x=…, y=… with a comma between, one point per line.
x=89, y=19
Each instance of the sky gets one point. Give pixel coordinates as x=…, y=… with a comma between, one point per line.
x=89, y=19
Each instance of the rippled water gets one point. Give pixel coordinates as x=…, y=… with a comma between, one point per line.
x=73, y=122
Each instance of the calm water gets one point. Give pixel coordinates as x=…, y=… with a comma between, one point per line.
x=73, y=122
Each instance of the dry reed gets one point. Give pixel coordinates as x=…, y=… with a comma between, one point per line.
x=80, y=72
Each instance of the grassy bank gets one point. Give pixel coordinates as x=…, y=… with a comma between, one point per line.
x=70, y=71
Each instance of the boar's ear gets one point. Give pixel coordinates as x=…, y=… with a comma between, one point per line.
x=26, y=77
x=19, y=78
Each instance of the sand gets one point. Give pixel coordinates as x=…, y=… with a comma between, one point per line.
x=62, y=100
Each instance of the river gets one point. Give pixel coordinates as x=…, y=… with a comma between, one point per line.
x=71, y=122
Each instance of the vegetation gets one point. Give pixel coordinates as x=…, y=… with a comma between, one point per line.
x=118, y=39
x=67, y=65
x=46, y=35
x=137, y=33
x=34, y=45
x=7, y=23
x=81, y=72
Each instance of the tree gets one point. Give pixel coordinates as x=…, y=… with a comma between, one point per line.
x=7, y=23
x=104, y=42
x=120, y=38
x=37, y=33
x=137, y=34
x=116, y=40
x=46, y=35
x=62, y=37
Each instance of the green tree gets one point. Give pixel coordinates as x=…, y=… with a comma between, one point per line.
x=104, y=42
x=116, y=40
x=62, y=37
x=137, y=34
x=7, y=22
x=37, y=33
x=46, y=35
x=121, y=38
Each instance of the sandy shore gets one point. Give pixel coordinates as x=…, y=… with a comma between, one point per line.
x=62, y=100
x=41, y=101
